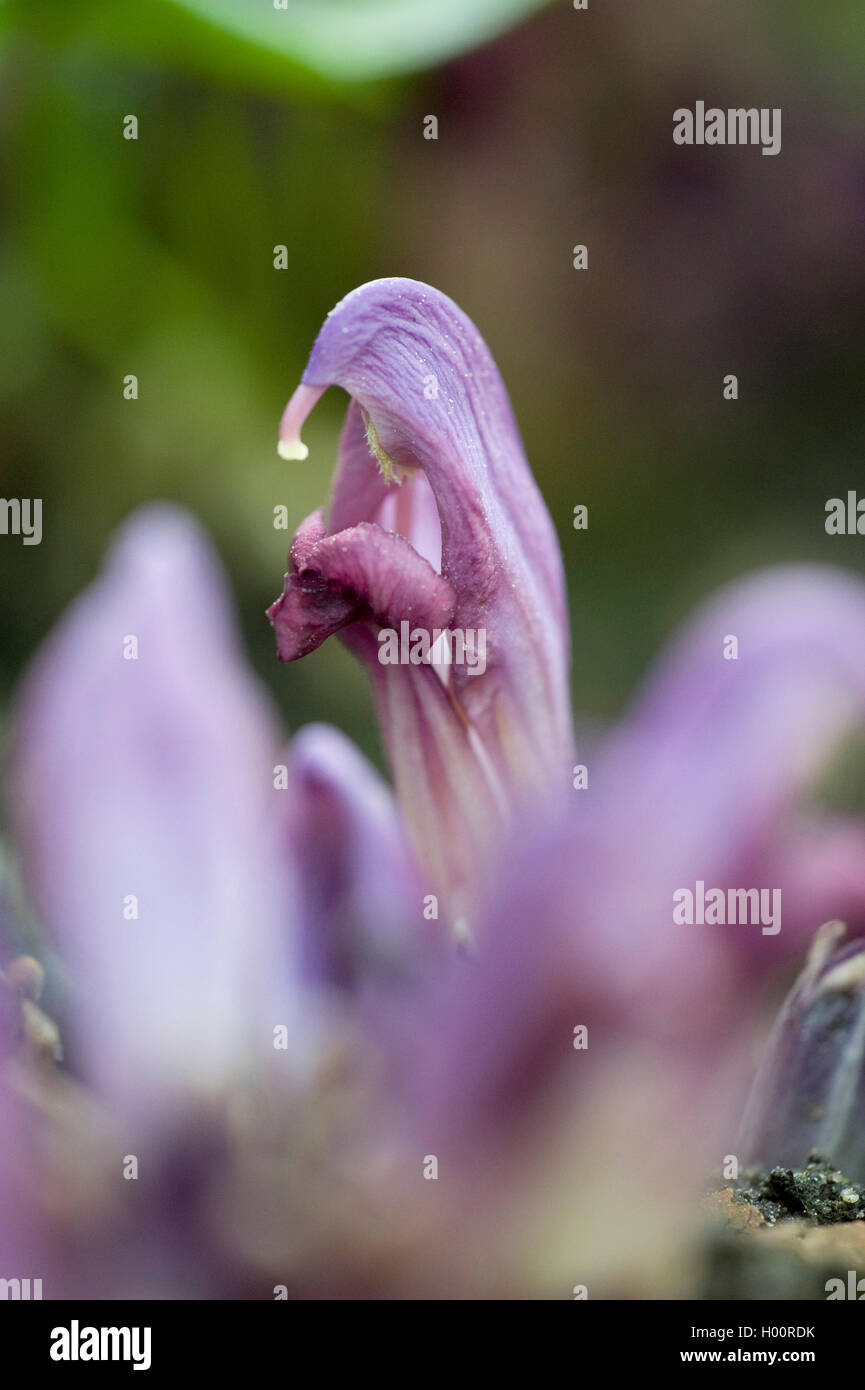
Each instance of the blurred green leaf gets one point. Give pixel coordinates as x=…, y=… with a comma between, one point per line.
x=834, y=33
x=360, y=39
x=337, y=48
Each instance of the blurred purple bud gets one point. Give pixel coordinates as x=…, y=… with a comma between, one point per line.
x=142, y=769
x=360, y=896
x=711, y=775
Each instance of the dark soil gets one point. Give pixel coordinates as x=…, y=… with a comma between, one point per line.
x=818, y=1191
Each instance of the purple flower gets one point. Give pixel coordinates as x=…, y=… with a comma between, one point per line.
x=434, y=525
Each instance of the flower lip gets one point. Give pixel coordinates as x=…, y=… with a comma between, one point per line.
x=361, y=572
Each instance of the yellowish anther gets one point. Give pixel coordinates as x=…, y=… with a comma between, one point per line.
x=390, y=471
x=292, y=449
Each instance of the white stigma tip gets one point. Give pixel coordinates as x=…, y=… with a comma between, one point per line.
x=292, y=449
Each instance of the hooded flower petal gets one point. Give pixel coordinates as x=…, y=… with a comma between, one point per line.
x=145, y=804
x=430, y=427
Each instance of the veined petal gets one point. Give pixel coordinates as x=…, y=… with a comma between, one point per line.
x=143, y=774
x=430, y=423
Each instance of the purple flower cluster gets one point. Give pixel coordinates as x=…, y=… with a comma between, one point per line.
x=322, y=1039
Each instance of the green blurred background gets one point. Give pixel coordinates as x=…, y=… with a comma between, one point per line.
x=304, y=127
